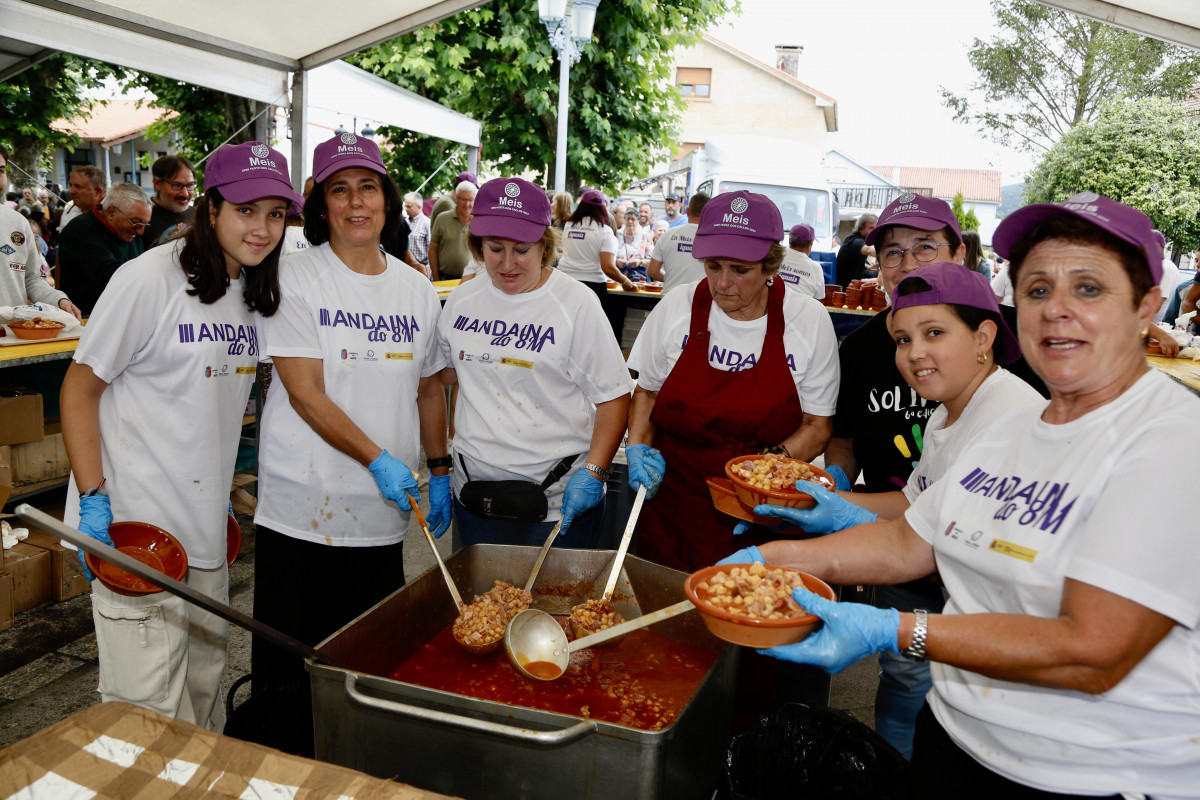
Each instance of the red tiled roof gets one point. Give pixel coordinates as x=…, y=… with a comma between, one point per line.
x=114, y=121
x=769, y=68
x=982, y=185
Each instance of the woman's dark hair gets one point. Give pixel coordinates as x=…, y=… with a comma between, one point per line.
x=204, y=262
x=974, y=250
x=971, y=316
x=592, y=211
x=1077, y=231
x=316, y=227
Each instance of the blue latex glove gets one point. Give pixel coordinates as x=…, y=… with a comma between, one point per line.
x=742, y=527
x=584, y=492
x=95, y=515
x=852, y=631
x=747, y=555
x=231, y=508
x=832, y=512
x=440, y=512
x=646, y=468
x=395, y=480
x=840, y=481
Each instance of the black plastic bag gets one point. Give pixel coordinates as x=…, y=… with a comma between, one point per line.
x=801, y=752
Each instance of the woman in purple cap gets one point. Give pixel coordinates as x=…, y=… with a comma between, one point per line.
x=357, y=398
x=152, y=414
x=543, y=389
x=728, y=365
x=1064, y=662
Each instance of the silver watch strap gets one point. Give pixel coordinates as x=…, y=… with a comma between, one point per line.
x=916, y=650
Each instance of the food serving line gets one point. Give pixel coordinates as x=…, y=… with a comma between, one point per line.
x=396, y=693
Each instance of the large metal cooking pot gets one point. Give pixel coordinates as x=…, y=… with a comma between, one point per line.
x=482, y=749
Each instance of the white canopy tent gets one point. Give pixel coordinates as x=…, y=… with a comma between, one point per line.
x=274, y=53
x=1176, y=21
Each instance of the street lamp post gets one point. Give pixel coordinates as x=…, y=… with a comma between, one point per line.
x=570, y=28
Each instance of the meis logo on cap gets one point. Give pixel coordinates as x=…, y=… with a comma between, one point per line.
x=907, y=197
x=260, y=150
x=259, y=156
x=1084, y=197
x=738, y=205
x=513, y=191
x=349, y=138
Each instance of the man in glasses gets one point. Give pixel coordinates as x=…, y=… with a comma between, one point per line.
x=174, y=190
x=880, y=422
x=92, y=247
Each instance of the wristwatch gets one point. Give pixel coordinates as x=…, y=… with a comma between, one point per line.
x=916, y=650
x=599, y=472
x=442, y=461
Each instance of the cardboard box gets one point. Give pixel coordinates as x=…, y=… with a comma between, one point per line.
x=66, y=577
x=30, y=569
x=6, y=601
x=5, y=474
x=40, y=461
x=20, y=415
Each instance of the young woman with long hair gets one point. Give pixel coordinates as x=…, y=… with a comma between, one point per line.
x=152, y=412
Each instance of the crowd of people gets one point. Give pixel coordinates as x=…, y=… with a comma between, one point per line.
x=986, y=433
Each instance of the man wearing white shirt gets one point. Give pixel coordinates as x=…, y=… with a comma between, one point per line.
x=671, y=259
x=798, y=270
x=87, y=185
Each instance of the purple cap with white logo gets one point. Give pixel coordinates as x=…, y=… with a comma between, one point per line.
x=594, y=197
x=510, y=208
x=1125, y=223
x=251, y=171
x=957, y=285
x=799, y=234
x=915, y=211
x=468, y=177
x=739, y=225
x=343, y=152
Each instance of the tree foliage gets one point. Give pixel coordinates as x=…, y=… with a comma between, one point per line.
x=206, y=117
x=1145, y=154
x=967, y=220
x=51, y=90
x=495, y=63
x=1048, y=70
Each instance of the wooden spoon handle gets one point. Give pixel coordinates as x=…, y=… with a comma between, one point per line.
x=458, y=603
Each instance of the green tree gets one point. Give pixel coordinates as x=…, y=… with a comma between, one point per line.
x=206, y=117
x=1048, y=70
x=967, y=220
x=1144, y=153
x=51, y=90
x=495, y=63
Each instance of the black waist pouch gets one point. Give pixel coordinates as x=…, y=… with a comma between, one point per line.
x=510, y=501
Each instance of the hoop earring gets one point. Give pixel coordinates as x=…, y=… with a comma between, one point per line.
x=771, y=281
x=981, y=358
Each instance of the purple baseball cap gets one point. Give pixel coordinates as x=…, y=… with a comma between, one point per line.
x=251, y=171
x=469, y=177
x=739, y=225
x=801, y=233
x=1161, y=238
x=916, y=211
x=1125, y=223
x=510, y=208
x=954, y=284
x=594, y=197
x=343, y=152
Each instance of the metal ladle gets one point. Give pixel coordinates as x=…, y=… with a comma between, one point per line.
x=537, y=646
x=578, y=630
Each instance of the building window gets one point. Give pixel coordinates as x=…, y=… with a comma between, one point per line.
x=694, y=82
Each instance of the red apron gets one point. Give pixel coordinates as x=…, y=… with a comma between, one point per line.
x=702, y=418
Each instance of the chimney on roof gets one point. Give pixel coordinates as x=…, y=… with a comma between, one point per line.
x=787, y=58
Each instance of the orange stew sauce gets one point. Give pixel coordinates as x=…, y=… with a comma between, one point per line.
x=642, y=682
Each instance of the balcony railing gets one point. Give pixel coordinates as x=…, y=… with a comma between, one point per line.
x=869, y=196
